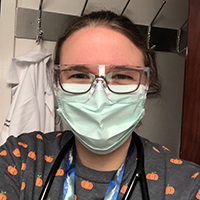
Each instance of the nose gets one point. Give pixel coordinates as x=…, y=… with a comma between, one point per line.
x=100, y=88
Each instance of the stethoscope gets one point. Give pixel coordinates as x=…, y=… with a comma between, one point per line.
x=138, y=175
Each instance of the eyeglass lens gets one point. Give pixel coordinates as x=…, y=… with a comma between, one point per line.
x=119, y=80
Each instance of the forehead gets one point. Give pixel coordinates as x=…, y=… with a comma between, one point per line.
x=100, y=45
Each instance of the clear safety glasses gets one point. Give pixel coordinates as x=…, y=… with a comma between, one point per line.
x=119, y=79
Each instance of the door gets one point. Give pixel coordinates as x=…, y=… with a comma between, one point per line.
x=190, y=134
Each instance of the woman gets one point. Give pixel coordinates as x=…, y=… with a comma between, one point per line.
x=102, y=70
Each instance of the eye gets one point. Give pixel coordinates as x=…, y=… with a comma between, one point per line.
x=125, y=77
x=121, y=76
x=75, y=77
x=80, y=76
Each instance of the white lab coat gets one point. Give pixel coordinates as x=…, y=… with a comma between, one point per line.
x=32, y=106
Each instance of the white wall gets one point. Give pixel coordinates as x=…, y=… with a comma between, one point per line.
x=162, y=122
x=6, y=53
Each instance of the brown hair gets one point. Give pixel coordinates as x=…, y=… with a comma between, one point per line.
x=121, y=24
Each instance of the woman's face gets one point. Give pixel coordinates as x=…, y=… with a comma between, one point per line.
x=100, y=45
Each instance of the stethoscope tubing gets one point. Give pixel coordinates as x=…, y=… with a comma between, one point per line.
x=57, y=162
x=139, y=173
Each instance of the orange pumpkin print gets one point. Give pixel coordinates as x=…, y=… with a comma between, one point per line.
x=152, y=176
x=16, y=152
x=22, y=144
x=23, y=185
x=58, y=134
x=3, y=195
x=3, y=153
x=39, y=137
x=195, y=175
x=48, y=158
x=39, y=181
x=12, y=170
x=165, y=148
x=23, y=167
x=198, y=194
x=123, y=189
x=176, y=161
x=86, y=185
x=156, y=150
x=169, y=190
x=32, y=155
x=75, y=197
x=60, y=172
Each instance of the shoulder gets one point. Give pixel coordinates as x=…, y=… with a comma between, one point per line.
x=36, y=137
x=33, y=144
x=180, y=177
x=165, y=156
x=26, y=161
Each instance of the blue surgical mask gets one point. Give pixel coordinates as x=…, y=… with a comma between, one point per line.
x=102, y=121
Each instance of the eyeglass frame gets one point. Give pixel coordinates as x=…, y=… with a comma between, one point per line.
x=57, y=72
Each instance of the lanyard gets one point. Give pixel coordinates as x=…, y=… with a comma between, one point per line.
x=138, y=175
x=113, y=187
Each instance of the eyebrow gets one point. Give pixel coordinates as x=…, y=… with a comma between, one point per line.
x=120, y=67
x=78, y=68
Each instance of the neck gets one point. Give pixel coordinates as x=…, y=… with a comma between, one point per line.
x=107, y=162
